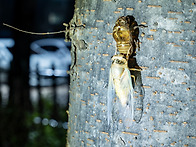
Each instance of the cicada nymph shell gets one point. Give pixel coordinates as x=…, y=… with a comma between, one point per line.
x=125, y=33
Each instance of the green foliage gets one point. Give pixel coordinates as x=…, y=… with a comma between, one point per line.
x=43, y=134
x=20, y=128
x=46, y=136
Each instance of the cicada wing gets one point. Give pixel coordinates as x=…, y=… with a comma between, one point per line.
x=126, y=112
x=110, y=96
x=138, y=97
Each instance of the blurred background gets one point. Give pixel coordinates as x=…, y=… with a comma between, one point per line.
x=34, y=83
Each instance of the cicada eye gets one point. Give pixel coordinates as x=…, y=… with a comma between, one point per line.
x=120, y=61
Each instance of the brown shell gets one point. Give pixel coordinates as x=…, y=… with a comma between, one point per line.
x=125, y=34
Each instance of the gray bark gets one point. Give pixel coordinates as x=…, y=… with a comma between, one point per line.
x=168, y=58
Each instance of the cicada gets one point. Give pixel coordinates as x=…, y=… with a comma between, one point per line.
x=125, y=33
x=120, y=83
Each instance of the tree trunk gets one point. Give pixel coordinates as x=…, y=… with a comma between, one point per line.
x=167, y=58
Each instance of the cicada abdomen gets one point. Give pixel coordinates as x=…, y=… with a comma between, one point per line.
x=125, y=33
x=120, y=83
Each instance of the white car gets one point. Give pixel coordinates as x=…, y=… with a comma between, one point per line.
x=46, y=62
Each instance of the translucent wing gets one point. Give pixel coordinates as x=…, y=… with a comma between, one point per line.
x=110, y=96
x=129, y=108
x=126, y=83
x=138, y=97
x=126, y=112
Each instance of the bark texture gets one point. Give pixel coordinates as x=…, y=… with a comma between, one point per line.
x=167, y=56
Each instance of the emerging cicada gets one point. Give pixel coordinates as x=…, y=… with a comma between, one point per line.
x=119, y=82
x=120, y=77
x=125, y=33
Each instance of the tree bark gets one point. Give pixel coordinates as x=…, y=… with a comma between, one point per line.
x=167, y=59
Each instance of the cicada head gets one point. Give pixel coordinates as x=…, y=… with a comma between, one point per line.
x=119, y=59
x=119, y=63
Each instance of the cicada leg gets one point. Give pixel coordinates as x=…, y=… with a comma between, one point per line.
x=134, y=69
x=133, y=78
x=137, y=43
